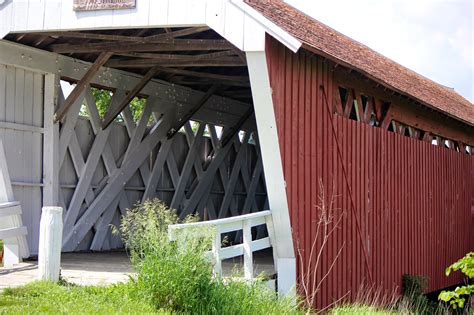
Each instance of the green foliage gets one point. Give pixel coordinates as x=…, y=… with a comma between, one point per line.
x=457, y=298
x=103, y=99
x=177, y=276
x=48, y=298
x=413, y=295
x=465, y=265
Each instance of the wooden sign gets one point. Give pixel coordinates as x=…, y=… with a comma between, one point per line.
x=90, y=5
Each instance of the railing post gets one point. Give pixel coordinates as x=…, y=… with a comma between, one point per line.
x=49, y=253
x=248, y=254
x=216, y=251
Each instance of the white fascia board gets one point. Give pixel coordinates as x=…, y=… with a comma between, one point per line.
x=274, y=30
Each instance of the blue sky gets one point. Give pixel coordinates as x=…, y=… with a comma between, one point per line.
x=432, y=37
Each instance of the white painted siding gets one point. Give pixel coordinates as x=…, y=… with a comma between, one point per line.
x=226, y=17
x=21, y=106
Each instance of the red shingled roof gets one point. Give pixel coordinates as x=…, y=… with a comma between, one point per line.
x=317, y=36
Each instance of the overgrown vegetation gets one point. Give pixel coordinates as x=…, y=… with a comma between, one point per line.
x=457, y=298
x=414, y=297
x=177, y=276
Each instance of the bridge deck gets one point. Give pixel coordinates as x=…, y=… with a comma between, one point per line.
x=105, y=268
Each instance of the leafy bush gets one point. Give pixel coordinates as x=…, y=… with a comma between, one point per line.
x=177, y=276
x=457, y=298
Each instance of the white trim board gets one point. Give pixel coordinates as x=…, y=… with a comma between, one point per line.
x=273, y=168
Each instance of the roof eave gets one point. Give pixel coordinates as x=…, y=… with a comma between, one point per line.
x=270, y=27
x=383, y=83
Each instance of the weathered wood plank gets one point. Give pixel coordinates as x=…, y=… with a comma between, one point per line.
x=51, y=161
x=187, y=168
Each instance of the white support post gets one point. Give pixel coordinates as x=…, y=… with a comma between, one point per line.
x=273, y=169
x=248, y=254
x=11, y=253
x=50, y=143
x=49, y=253
x=216, y=249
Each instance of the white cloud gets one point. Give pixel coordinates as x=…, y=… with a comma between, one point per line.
x=431, y=37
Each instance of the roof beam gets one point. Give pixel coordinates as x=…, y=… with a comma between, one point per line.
x=108, y=37
x=164, y=45
x=82, y=85
x=121, y=38
x=218, y=54
x=178, y=62
x=112, y=113
x=180, y=33
x=196, y=74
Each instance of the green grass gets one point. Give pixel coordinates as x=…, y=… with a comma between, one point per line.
x=48, y=298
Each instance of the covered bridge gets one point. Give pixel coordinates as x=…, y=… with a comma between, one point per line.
x=248, y=106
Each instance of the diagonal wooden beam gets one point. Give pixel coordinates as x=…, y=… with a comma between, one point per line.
x=236, y=128
x=82, y=85
x=173, y=130
x=112, y=113
x=115, y=184
x=234, y=176
x=337, y=100
x=349, y=103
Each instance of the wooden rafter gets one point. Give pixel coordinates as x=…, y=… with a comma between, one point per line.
x=124, y=38
x=108, y=37
x=174, y=57
x=177, y=62
x=180, y=123
x=196, y=74
x=179, y=33
x=114, y=112
x=82, y=85
x=164, y=45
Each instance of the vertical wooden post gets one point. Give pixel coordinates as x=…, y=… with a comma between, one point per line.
x=248, y=254
x=49, y=253
x=50, y=143
x=216, y=250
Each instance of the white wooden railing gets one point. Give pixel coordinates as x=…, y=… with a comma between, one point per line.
x=237, y=223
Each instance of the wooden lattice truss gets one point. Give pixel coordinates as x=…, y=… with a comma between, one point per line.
x=354, y=104
x=226, y=179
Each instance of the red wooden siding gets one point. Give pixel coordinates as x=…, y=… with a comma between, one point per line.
x=412, y=199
